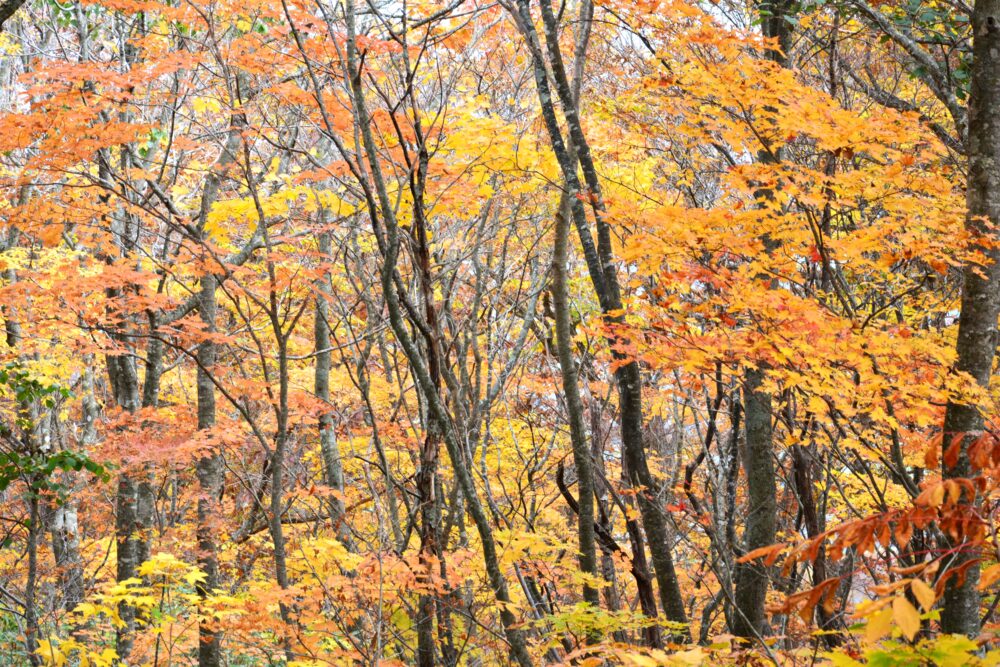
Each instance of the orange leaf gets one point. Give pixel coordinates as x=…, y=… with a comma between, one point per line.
x=989, y=576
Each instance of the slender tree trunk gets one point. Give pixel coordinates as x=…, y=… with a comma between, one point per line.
x=612, y=597
x=145, y=507
x=209, y=468
x=601, y=266
x=574, y=404
x=431, y=553
x=977, y=326
x=385, y=225
x=329, y=450
x=129, y=532
x=802, y=462
x=31, y=630
x=209, y=472
x=751, y=579
x=277, y=475
x=429, y=546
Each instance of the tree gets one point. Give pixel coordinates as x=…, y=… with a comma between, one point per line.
x=977, y=325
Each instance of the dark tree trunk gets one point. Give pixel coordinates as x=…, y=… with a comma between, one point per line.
x=601, y=267
x=802, y=461
x=431, y=552
x=574, y=404
x=7, y=10
x=977, y=327
x=751, y=579
x=129, y=532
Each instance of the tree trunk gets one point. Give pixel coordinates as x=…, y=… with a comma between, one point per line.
x=427, y=482
x=977, y=327
x=751, y=579
x=129, y=532
x=330, y=452
x=276, y=509
x=209, y=472
x=31, y=630
x=574, y=404
x=208, y=468
x=8, y=9
x=802, y=462
x=65, y=536
x=601, y=267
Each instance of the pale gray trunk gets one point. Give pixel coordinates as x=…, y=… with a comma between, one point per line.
x=65, y=527
x=329, y=450
x=64, y=531
x=209, y=472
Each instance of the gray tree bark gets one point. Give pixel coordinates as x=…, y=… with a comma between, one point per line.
x=209, y=468
x=329, y=450
x=209, y=472
x=574, y=405
x=129, y=532
x=977, y=326
x=751, y=579
x=601, y=267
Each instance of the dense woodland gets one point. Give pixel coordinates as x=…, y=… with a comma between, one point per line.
x=489, y=332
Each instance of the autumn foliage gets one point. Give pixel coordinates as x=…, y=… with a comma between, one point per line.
x=482, y=333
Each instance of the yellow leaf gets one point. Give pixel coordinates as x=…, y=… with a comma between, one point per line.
x=106, y=658
x=693, y=657
x=194, y=576
x=50, y=654
x=640, y=660
x=925, y=594
x=906, y=617
x=878, y=625
x=86, y=609
x=206, y=104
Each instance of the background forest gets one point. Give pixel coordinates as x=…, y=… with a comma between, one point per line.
x=487, y=332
